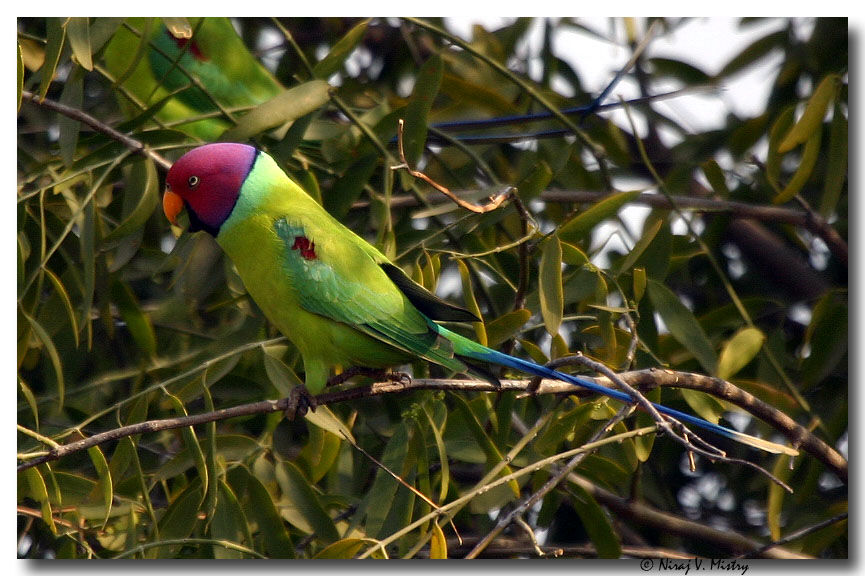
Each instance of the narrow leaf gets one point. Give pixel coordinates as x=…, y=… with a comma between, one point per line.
x=803, y=172
x=340, y=51
x=739, y=351
x=579, y=227
x=836, y=167
x=812, y=117
x=325, y=419
x=137, y=322
x=773, y=157
x=286, y=106
x=78, y=31
x=39, y=492
x=20, y=76
x=438, y=545
x=53, y=355
x=143, y=183
x=682, y=325
x=105, y=484
x=506, y=326
x=550, y=285
x=56, y=34
x=649, y=233
x=596, y=523
x=425, y=90
x=471, y=302
x=302, y=506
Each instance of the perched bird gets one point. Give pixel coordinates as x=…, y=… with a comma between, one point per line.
x=338, y=299
x=199, y=76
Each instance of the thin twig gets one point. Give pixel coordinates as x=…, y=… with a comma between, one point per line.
x=81, y=116
x=554, y=481
x=796, y=535
x=495, y=201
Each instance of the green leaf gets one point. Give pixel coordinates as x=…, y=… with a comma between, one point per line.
x=20, y=76
x=836, y=166
x=827, y=338
x=535, y=181
x=300, y=504
x=682, y=325
x=39, y=492
x=506, y=326
x=105, y=484
x=325, y=419
x=67, y=302
x=716, y=178
x=705, y=405
x=228, y=524
x=340, y=51
x=380, y=498
x=285, y=107
x=774, y=503
x=179, y=519
x=348, y=548
x=425, y=90
x=678, y=70
x=550, y=285
x=192, y=446
x=470, y=301
x=281, y=376
x=137, y=322
x=144, y=184
x=649, y=232
x=78, y=31
x=73, y=97
x=579, y=227
x=739, y=351
x=803, y=172
x=773, y=157
x=812, y=118
x=349, y=186
x=753, y=52
x=596, y=523
x=56, y=35
x=263, y=513
x=53, y=355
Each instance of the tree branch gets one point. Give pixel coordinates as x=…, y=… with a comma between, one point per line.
x=81, y=116
x=642, y=379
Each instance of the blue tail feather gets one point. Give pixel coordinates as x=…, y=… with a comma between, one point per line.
x=470, y=349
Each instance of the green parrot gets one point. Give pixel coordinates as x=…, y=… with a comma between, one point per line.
x=337, y=298
x=215, y=57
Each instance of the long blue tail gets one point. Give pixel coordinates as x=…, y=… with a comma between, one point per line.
x=470, y=349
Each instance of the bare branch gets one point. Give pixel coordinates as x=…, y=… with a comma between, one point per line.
x=495, y=201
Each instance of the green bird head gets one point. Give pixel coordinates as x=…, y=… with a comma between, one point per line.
x=207, y=182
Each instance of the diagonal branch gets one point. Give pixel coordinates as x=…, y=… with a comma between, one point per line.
x=88, y=120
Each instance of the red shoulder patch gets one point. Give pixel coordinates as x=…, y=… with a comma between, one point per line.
x=194, y=49
x=307, y=248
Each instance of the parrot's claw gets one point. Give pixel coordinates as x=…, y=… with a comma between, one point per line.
x=374, y=373
x=300, y=401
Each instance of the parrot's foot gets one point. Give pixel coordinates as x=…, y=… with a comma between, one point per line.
x=300, y=401
x=374, y=373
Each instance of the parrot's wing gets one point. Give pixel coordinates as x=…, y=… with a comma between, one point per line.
x=337, y=278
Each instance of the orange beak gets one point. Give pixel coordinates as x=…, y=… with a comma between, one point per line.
x=172, y=204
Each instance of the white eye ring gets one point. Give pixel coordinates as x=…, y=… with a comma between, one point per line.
x=193, y=181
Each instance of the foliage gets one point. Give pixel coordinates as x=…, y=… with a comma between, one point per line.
x=119, y=321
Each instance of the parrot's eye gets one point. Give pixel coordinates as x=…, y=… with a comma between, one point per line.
x=193, y=181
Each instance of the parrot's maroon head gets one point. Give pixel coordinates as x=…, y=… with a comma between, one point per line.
x=207, y=181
